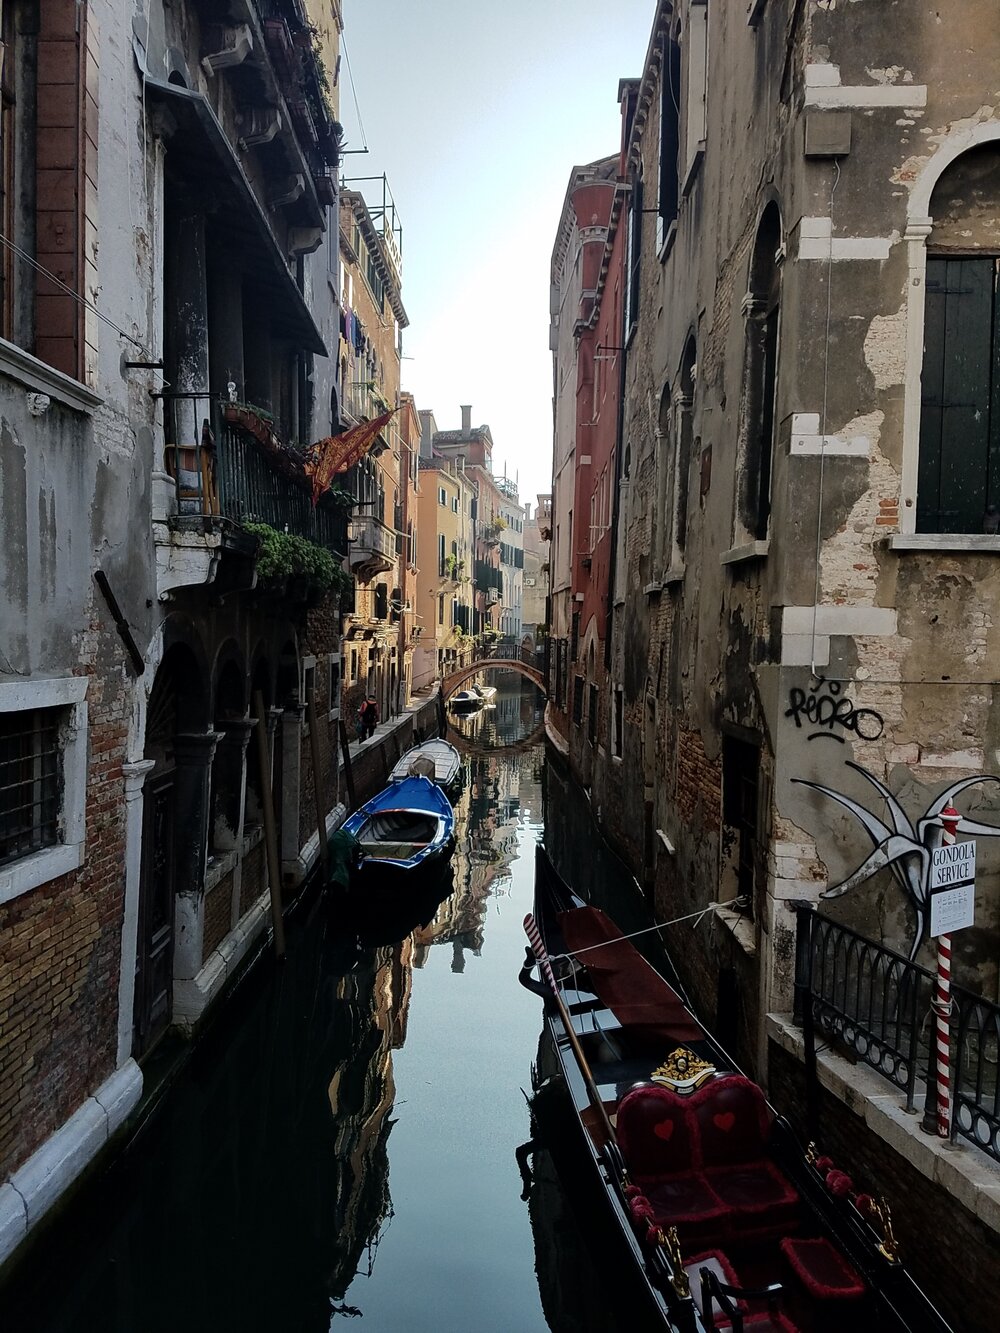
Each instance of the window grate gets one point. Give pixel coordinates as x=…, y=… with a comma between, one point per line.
x=29, y=782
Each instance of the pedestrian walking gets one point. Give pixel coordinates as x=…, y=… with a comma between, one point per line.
x=371, y=716
x=360, y=721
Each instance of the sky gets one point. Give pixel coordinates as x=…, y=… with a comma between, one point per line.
x=477, y=112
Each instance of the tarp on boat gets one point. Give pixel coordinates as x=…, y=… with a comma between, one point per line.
x=634, y=992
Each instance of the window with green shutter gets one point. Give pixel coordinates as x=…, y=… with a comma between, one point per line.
x=958, y=482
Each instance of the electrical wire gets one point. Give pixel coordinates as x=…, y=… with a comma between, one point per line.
x=58, y=282
x=354, y=93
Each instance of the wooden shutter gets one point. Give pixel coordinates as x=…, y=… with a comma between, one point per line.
x=960, y=396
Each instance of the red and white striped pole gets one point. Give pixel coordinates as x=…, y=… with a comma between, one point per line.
x=942, y=998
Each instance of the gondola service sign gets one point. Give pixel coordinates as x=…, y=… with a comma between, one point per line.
x=953, y=887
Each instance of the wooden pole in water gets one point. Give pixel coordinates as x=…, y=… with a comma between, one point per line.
x=270, y=834
x=319, y=788
x=596, y=1100
x=345, y=750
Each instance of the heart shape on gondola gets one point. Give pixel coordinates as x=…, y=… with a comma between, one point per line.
x=724, y=1121
x=664, y=1130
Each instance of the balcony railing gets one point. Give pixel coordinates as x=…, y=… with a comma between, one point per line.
x=372, y=542
x=239, y=471
x=877, y=1003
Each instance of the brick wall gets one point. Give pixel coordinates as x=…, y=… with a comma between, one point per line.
x=254, y=877
x=698, y=789
x=944, y=1246
x=218, y=913
x=60, y=944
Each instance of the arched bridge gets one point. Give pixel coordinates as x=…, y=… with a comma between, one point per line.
x=515, y=661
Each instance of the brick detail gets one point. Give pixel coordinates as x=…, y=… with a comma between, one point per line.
x=218, y=913
x=699, y=783
x=254, y=877
x=61, y=943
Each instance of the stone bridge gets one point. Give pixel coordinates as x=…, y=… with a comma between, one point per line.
x=509, y=663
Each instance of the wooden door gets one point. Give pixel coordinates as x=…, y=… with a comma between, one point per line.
x=155, y=948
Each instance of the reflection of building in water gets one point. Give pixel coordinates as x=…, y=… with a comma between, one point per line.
x=369, y=1022
x=486, y=824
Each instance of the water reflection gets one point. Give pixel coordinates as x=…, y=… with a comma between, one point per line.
x=341, y=1143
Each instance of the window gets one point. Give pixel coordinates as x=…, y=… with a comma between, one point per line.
x=442, y=496
x=669, y=141
x=441, y=609
x=354, y=665
x=442, y=562
x=760, y=377
x=958, y=476
x=577, y=699
x=43, y=778
x=740, y=789
x=333, y=683
x=454, y=504
x=29, y=782
x=592, y=714
x=308, y=683
x=633, y=253
x=619, y=722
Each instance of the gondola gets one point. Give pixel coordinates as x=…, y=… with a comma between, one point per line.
x=408, y=828
x=435, y=759
x=726, y=1222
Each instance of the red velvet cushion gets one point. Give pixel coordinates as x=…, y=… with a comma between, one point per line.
x=732, y=1121
x=768, y=1323
x=822, y=1270
x=654, y=1133
x=686, y=1201
x=752, y=1187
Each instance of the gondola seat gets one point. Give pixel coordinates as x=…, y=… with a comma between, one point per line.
x=732, y=1130
x=822, y=1270
x=657, y=1140
x=701, y=1161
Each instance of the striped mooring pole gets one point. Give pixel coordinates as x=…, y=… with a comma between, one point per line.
x=942, y=999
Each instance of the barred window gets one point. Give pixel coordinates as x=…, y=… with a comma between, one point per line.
x=30, y=782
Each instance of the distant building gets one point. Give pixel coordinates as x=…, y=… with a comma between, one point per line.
x=375, y=657
x=534, y=604
x=445, y=559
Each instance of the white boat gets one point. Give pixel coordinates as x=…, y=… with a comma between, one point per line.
x=486, y=692
x=435, y=759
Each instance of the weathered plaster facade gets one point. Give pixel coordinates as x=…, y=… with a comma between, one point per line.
x=136, y=416
x=795, y=585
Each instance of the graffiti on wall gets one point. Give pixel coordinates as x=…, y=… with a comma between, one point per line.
x=830, y=714
x=902, y=847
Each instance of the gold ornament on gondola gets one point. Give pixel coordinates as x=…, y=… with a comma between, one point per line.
x=683, y=1071
x=889, y=1246
x=678, y=1275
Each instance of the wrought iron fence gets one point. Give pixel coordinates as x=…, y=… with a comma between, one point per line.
x=876, y=1003
x=223, y=469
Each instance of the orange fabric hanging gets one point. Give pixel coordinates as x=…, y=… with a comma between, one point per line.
x=337, y=453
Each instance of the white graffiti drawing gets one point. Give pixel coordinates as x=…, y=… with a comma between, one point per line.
x=903, y=848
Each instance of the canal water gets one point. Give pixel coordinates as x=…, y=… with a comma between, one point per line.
x=342, y=1143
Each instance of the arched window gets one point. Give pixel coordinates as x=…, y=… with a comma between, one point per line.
x=958, y=478
x=760, y=375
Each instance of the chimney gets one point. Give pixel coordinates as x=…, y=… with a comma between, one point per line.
x=466, y=418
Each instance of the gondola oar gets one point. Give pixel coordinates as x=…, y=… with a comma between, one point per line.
x=596, y=1101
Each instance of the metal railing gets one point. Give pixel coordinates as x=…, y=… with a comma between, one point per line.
x=222, y=469
x=876, y=1003
x=370, y=534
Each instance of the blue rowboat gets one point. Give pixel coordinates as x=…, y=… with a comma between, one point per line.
x=407, y=827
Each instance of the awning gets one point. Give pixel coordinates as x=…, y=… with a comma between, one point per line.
x=206, y=158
